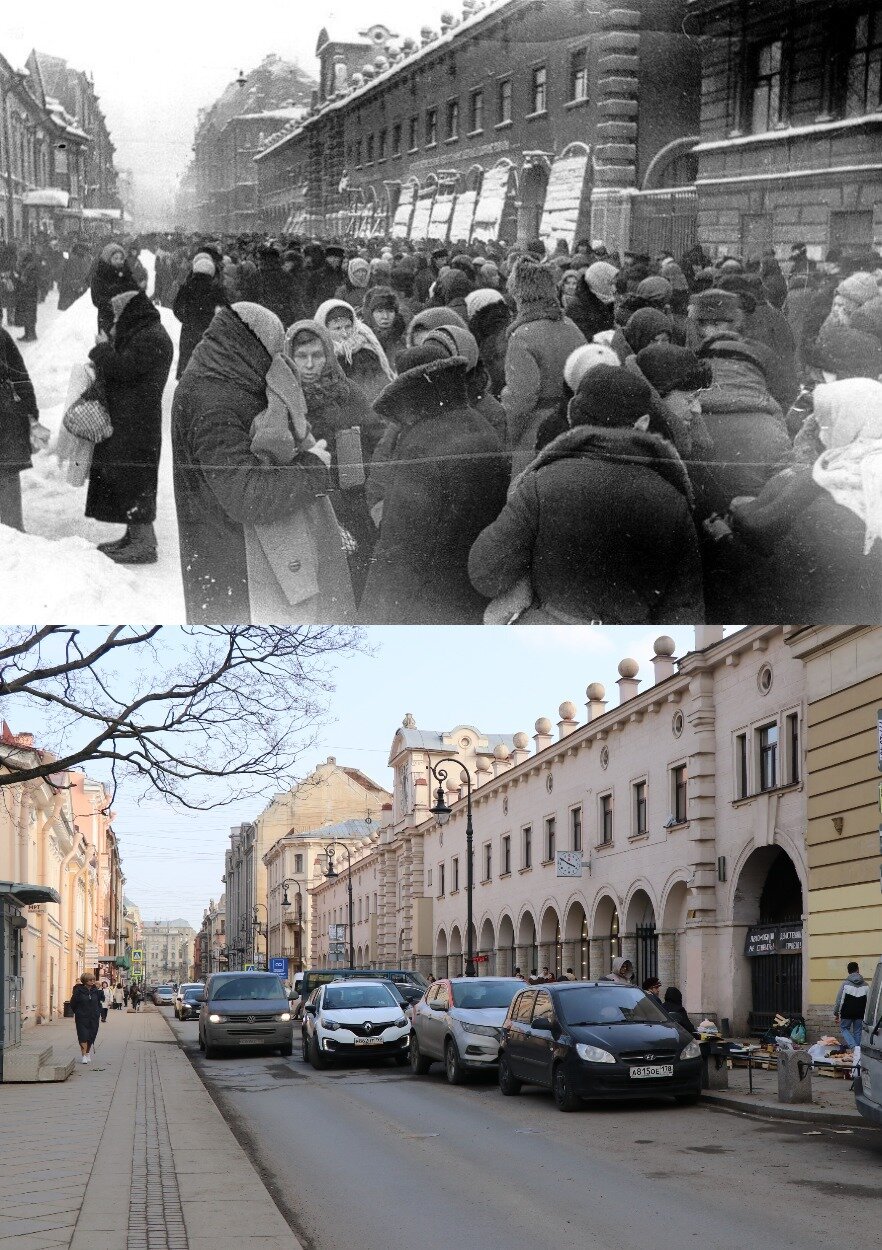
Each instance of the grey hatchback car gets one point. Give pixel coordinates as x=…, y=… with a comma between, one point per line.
x=244, y=1009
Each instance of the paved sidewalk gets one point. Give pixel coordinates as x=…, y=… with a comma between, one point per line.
x=833, y=1104
x=130, y=1153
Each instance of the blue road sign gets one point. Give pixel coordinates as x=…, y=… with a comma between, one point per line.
x=279, y=966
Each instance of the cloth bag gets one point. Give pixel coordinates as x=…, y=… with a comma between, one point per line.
x=297, y=569
x=70, y=449
x=87, y=416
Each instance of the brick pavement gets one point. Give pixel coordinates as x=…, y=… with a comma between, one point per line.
x=129, y=1154
x=833, y=1099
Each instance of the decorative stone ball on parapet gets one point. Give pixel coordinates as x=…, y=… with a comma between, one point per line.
x=628, y=668
x=427, y=35
x=543, y=725
x=596, y=691
x=468, y=8
x=393, y=50
x=501, y=751
x=447, y=20
x=408, y=722
x=567, y=722
x=368, y=72
x=567, y=711
x=357, y=80
x=409, y=46
x=664, y=646
x=521, y=741
x=381, y=63
x=663, y=660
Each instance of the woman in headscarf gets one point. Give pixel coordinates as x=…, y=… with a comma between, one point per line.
x=356, y=347
x=198, y=298
x=819, y=522
x=643, y=327
x=132, y=364
x=339, y=413
x=234, y=473
x=111, y=276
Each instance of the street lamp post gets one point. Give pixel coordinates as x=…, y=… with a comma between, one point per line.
x=331, y=874
x=441, y=812
x=286, y=903
x=257, y=929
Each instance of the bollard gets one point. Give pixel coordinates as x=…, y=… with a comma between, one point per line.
x=794, y=1076
x=714, y=1068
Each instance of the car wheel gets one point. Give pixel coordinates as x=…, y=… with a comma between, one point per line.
x=508, y=1082
x=304, y=1047
x=211, y=1052
x=419, y=1064
x=201, y=1042
x=287, y=1051
x=564, y=1097
x=452, y=1065
x=316, y=1058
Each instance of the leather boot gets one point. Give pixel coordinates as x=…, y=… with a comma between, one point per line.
x=140, y=550
x=117, y=544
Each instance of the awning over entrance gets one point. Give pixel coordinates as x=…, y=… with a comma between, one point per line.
x=46, y=197
x=566, y=199
x=404, y=211
x=461, y=219
x=26, y=894
x=491, y=205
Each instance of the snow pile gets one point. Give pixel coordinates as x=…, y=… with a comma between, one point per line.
x=68, y=341
x=64, y=579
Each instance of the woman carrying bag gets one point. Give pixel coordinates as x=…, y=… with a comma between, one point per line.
x=86, y=1003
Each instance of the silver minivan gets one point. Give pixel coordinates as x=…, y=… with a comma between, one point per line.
x=868, y=1087
x=245, y=1009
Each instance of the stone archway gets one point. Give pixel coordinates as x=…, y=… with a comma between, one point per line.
x=550, y=941
x=455, y=961
x=506, y=956
x=767, y=911
x=640, y=939
x=441, y=959
x=671, y=963
x=606, y=937
x=575, y=941
x=527, y=948
x=487, y=947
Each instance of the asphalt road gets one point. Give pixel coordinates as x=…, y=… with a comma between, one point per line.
x=374, y=1157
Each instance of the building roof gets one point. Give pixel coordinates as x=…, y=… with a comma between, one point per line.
x=342, y=829
x=363, y=780
x=268, y=88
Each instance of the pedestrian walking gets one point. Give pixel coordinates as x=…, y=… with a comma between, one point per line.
x=200, y=295
x=119, y=997
x=20, y=430
x=106, y=999
x=111, y=276
x=27, y=294
x=850, y=1006
x=133, y=364
x=85, y=1002
x=135, y=997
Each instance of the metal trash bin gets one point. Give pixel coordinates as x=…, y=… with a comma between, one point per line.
x=68, y=1010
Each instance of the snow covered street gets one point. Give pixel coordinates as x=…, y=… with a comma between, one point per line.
x=54, y=570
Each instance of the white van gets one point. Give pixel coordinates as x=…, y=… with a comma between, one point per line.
x=868, y=1087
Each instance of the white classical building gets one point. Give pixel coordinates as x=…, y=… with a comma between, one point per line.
x=682, y=807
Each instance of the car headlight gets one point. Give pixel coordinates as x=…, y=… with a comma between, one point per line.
x=692, y=1051
x=594, y=1054
x=286, y=1015
x=330, y=1025
x=401, y=1024
x=485, y=1030
x=213, y=1019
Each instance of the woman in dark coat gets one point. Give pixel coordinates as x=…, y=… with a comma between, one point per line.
x=27, y=295
x=446, y=481
x=86, y=1003
x=133, y=366
x=18, y=417
x=221, y=485
x=74, y=280
x=599, y=525
x=673, y=1006
x=591, y=308
x=110, y=277
x=197, y=300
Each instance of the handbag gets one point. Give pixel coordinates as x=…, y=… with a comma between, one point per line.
x=88, y=417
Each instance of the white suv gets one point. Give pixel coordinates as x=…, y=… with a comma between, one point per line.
x=347, y=1018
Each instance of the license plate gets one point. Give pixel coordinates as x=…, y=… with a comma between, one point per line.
x=368, y=1041
x=657, y=1069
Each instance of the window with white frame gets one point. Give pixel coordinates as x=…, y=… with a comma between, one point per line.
x=298, y=863
x=550, y=837
x=606, y=819
x=454, y=875
x=527, y=846
x=506, y=855
x=638, y=818
x=488, y=861
x=678, y=793
x=441, y=882
x=576, y=828
x=767, y=756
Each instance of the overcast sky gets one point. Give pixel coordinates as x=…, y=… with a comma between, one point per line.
x=498, y=680
x=156, y=64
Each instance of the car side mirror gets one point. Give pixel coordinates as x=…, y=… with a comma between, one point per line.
x=542, y=1023
x=439, y=1006
x=310, y=1009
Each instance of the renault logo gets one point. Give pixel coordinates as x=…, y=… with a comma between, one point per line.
x=368, y=1028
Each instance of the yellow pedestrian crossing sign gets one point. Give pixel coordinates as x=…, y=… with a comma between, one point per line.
x=137, y=956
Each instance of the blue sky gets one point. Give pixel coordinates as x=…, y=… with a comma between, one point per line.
x=499, y=680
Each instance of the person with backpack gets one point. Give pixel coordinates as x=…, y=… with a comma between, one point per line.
x=850, y=1005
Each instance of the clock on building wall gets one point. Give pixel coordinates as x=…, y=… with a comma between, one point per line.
x=568, y=863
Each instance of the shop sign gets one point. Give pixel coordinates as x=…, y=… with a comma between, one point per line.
x=773, y=939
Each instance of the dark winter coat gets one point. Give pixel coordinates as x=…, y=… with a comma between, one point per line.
x=590, y=314
x=446, y=482
x=18, y=407
x=134, y=369
x=770, y=327
x=74, y=279
x=490, y=328
x=107, y=282
x=194, y=306
x=600, y=523
x=540, y=342
x=275, y=290
x=220, y=485
x=86, y=1003
x=450, y=291
x=320, y=283
x=27, y=291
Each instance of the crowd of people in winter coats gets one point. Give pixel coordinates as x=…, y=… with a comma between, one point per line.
x=400, y=433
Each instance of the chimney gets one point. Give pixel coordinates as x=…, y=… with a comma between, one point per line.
x=542, y=737
x=567, y=722
x=596, y=705
x=707, y=635
x=521, y=747
x=663, y=660
x=628, y=682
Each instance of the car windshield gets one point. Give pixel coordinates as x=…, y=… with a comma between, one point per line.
x=478, y=994
x=248, y=986
x=191, y=996
x=609, y=1004
x=352, y=997
x=163, y=989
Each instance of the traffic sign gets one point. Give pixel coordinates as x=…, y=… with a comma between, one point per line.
x=137, y=956
x=248, y=968
x=279, y=966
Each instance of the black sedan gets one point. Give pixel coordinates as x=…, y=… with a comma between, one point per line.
x=189, y=1006
x=596, y=1040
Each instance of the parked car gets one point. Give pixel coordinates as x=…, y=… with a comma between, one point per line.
x=245, y=1009
x=411, y=984
x=188, y=1007
x=868, y=1086
x=459, y=1022
x=350, y=1017
x=164, y=995
x=584, y=1039
x=180, y=991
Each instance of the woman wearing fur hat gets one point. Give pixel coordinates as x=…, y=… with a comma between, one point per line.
x=380, y=313
x=196, y=302
x=599, y=525
x=132, y=364
x=541, y=339
x=445, y=481
x=111, y=276
x=361, y=357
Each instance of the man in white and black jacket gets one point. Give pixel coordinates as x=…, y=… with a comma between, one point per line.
x=850, y=1005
